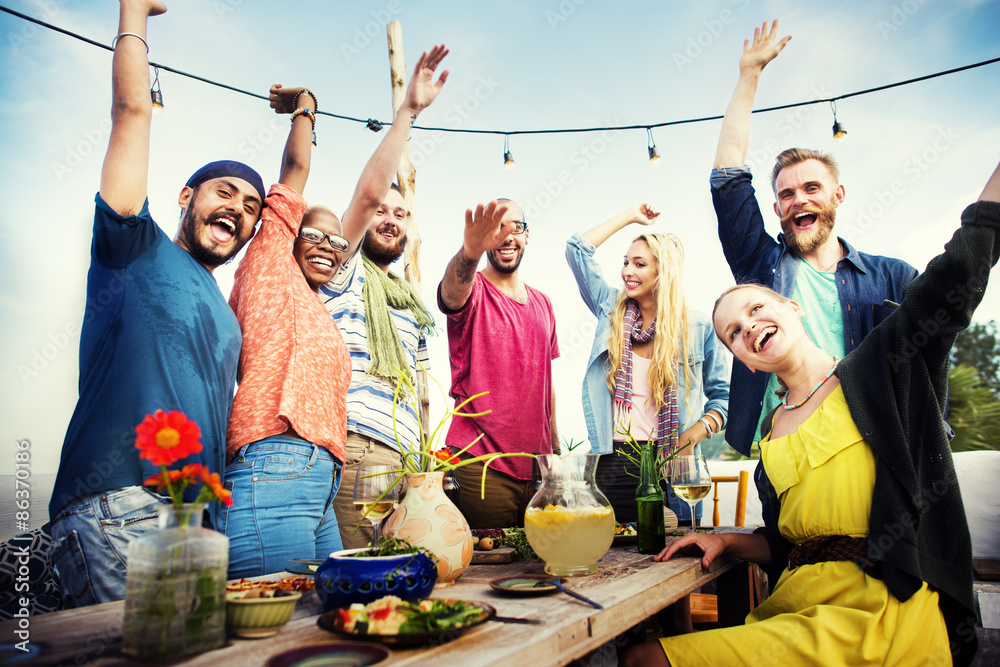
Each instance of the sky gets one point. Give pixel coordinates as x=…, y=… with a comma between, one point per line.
x=914, y=157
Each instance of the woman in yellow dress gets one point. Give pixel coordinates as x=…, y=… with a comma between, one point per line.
x=866, y=509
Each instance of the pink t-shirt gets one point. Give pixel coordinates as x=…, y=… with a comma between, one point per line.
x=499, y=345
x=294, y=368
x=643, y=413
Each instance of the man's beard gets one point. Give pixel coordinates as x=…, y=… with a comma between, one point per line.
x=493, y=255
x=800, y=243
x=379, y=252
x=202, y=254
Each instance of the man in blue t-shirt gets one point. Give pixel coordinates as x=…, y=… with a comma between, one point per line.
x=842, y=290
x=157, y=333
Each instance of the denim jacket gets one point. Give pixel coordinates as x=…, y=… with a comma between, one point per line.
x=864, y=282
x=707, y=356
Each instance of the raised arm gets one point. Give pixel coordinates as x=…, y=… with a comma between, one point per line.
x=297, y=156
x=992, y=190
x=381, y=168
x=126, y=164
x=734, y=138
x=640, y=213
x=484, y=231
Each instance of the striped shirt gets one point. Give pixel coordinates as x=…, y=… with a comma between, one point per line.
x=370, y=398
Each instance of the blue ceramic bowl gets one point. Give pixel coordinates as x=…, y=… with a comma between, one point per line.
x=343, y=580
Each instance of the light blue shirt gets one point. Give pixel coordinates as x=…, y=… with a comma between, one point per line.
x=706, y=356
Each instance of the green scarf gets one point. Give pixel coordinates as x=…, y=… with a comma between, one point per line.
x=384, y=346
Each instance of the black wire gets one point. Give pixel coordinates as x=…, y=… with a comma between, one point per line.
x=368, y=121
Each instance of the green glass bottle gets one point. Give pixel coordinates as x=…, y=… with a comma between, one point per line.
x=649, y=504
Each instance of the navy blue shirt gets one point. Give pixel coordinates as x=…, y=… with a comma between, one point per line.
x=157, y=334
x=864, y=282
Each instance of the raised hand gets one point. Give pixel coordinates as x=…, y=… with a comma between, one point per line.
x=644, y=214
x=422, y=89
x=146, y=7
x=485, y=229
x=283, y=99
x=763, y=49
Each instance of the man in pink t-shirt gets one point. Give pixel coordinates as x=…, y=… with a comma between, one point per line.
x=501, y=339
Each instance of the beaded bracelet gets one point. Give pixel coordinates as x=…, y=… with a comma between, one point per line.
x=308, y=113
x=306, y=91
x=114, y=42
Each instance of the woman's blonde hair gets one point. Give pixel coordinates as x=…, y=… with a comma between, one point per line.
x=671, y=342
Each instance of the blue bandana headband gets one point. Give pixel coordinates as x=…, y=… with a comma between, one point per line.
x=231, y=168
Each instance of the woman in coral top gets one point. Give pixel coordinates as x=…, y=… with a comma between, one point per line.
x=288, y=428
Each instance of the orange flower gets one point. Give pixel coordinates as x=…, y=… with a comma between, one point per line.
x=193, y=471
x=164, y=478
x=165, y=437
x=213, y=483
x=444, y=454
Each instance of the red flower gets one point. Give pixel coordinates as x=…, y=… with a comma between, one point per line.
x=165, y=437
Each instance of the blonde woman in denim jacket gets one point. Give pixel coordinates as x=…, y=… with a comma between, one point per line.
x=702, y=383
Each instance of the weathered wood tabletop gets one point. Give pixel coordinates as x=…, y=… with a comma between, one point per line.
x=630, y=586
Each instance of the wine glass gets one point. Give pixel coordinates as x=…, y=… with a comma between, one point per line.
x=376, y=493
x=690, y=480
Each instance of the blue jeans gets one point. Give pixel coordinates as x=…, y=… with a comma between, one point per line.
x=283, y=489
x=90, y=538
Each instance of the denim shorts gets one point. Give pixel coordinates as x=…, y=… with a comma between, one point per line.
x=283, y=489
x=90, y=538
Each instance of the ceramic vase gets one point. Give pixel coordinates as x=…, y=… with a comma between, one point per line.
x=427, y=518
x=175, y=587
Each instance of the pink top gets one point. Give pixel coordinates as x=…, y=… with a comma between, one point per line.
x=294, y=368
x=643, y=413
x=499, y=345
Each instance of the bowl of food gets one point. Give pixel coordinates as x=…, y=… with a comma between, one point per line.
x=259, y=609
x=360, y=576
x=407, y=623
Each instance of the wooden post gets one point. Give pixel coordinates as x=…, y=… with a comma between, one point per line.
x=406, y=176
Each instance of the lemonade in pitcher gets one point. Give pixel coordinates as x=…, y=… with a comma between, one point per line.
x=569, y=522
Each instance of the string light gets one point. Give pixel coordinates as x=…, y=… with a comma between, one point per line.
x=508, y=159
x=155, y=93
x=654, y=155
x=839, y=131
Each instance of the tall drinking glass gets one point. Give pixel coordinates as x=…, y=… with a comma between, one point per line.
x=375, y=493
x=690, y=480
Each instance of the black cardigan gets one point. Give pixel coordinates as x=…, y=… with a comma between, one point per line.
x=896, y=386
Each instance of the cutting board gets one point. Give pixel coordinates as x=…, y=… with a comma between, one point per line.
x=495, y=556
x=986, y=568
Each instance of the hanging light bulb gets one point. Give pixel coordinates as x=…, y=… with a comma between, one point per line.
x=508, y=158
x=839, y=131
x=155, y=93
x=654, y=155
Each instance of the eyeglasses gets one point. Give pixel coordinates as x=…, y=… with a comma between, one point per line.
x=519, y=227
x=315, y=236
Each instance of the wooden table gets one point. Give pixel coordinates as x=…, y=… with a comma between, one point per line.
x=630, y=586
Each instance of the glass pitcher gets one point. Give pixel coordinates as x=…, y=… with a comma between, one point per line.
x=569, y=523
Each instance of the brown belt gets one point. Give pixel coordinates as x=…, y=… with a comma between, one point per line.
x=832, y=547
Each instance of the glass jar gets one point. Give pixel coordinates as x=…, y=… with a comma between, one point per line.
x=175, y=590
x=569, y=523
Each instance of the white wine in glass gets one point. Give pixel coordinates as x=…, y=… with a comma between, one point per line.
x=690, y=480
x=376, y=492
